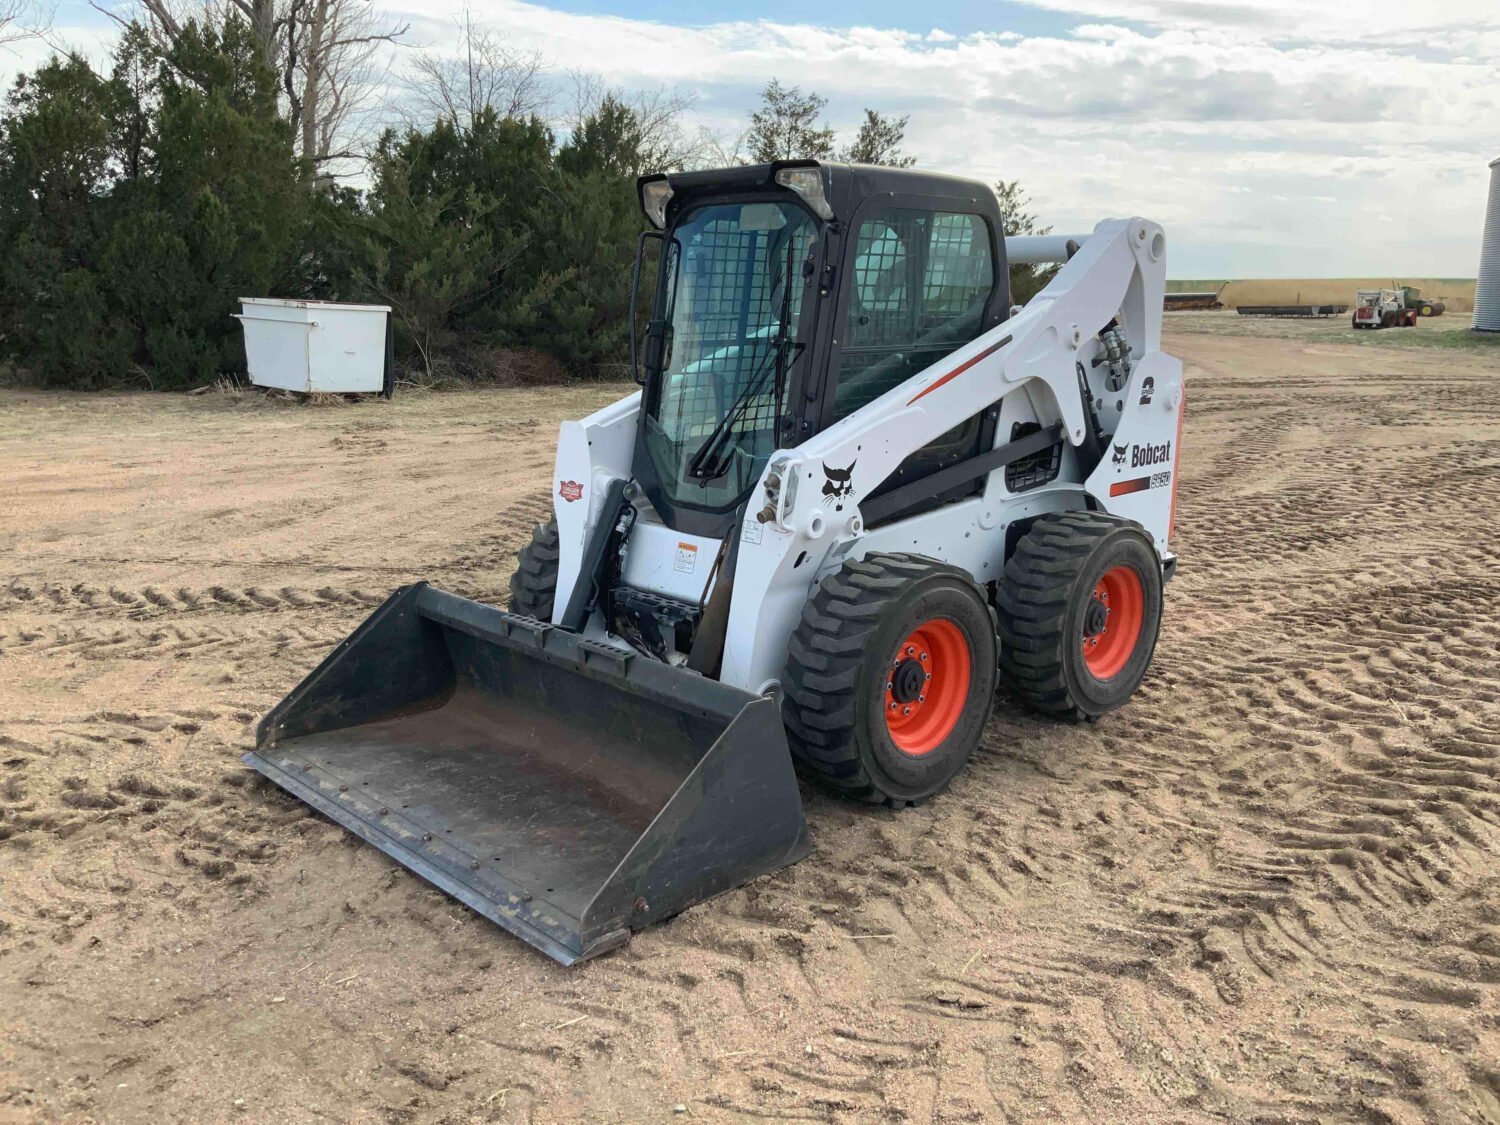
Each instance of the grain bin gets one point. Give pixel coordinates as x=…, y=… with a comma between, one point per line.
x=312, y=346
x=1487, y=291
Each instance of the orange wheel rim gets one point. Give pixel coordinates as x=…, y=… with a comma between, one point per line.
x=1112, y=622
x=927, y=685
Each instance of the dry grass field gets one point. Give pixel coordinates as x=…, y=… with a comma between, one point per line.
x=1266, y=891
x=1456, y=292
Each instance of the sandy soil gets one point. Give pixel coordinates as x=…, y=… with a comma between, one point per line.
x=1265, y=891
x=1429, y=332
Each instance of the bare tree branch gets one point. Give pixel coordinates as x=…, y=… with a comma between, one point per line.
x=325, y=54
x=484, y=74
x=720, y=151
x=666, y=143
x=341, y=42
x=25, y=19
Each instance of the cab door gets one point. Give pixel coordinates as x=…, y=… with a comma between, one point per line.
x=922, y=277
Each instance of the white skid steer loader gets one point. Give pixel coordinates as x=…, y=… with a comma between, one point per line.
x=856, y=487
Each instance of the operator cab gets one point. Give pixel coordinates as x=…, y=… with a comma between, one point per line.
x=785, y=296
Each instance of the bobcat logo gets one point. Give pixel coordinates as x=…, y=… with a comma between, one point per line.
x=839, y=486
x=1120, y=452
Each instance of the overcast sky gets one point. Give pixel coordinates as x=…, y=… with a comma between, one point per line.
x=1270, y=137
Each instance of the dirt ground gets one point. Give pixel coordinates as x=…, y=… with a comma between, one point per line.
x=1429, y=332
x=1265, y=891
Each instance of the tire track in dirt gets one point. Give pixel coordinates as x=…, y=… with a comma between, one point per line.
x=1324, y=828
x=1264, y=891
x=1351, y=810
x=157, y=601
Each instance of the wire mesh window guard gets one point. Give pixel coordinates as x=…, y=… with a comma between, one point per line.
x=921, y=280
x=728, y=266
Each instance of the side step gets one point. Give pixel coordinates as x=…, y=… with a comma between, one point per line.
x=566, y=790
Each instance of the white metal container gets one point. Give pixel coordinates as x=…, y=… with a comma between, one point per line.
x=316, y=345
x=1487, y=290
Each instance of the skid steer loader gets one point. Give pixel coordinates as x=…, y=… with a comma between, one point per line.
x=856, y=487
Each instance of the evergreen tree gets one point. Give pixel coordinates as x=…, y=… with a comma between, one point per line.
x=141, y=207
x=879, y=142
x=57, y=162
x=489, y=233
x=786, y=126
x=609, y=140
x=138, y=208
x=1026, y=281
x=425, y=254
x=223, y=214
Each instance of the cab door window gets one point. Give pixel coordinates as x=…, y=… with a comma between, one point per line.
x=921, y=280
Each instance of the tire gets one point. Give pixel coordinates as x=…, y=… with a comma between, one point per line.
x=890, y=678
x=1061, y=656
x=1426, y=310
x=533, y=586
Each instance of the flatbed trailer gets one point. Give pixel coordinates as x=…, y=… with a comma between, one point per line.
x=1178, y=302
x=1292, y=310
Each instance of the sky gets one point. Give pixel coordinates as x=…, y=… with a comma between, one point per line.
x=1272, y=138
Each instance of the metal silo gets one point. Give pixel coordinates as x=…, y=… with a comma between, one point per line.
x=1487, y=291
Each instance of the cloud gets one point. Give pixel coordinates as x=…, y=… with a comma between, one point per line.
x=1296, y=20
x=1269, y=138
x=1264, y=124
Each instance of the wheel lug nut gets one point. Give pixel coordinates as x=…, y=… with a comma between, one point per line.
x=906, y=710
x=890, y=687
x=929, y=675
x=923, y=656
x=893, y=706
x=921, y=699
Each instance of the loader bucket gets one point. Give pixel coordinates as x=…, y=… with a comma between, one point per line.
x=566, y=790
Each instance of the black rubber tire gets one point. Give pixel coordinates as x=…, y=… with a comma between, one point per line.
x=533, y=587
x=839, y=662
x=1043, y=596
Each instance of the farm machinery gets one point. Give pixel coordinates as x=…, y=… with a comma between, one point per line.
x=1382, y=308
x=1411, y=298
x=856, y=487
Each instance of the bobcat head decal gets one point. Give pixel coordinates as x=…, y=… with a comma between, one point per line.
x=1120, y=451
x=839, y=486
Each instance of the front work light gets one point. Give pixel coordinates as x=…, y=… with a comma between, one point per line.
x=808, y=183
x=655, y=195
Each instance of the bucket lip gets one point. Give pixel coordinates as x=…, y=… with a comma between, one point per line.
x=531, y=918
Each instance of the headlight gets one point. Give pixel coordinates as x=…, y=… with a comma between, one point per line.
x=655, y=195
x=808, y=183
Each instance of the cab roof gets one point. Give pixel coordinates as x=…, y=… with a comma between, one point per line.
x=845, y=186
